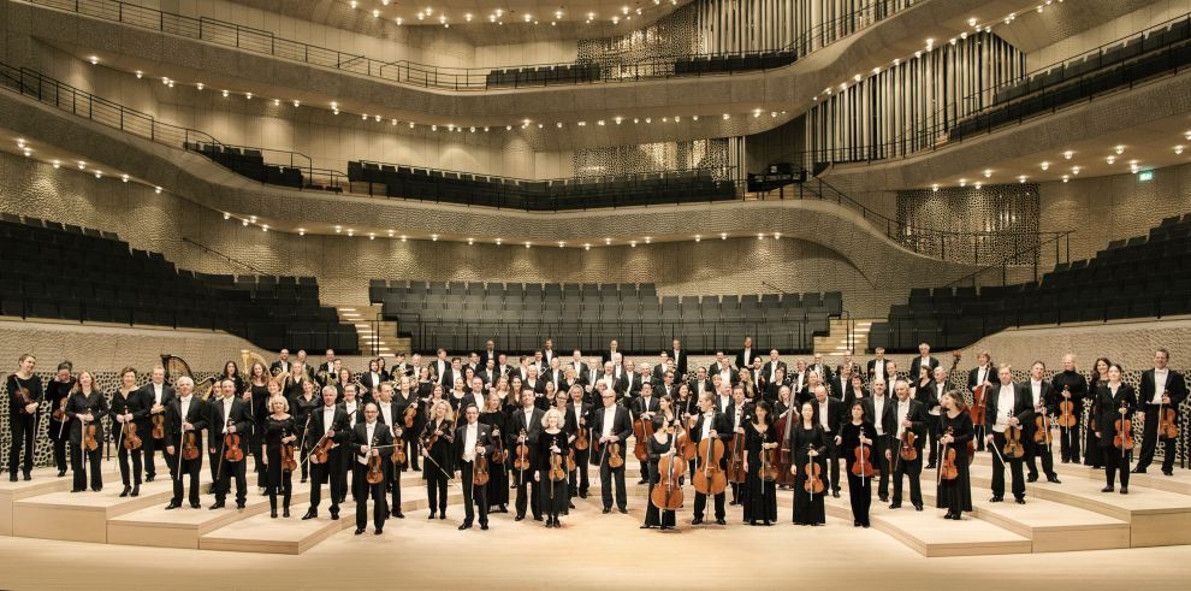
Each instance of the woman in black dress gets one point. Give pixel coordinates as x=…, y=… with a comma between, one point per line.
x=661, y=444
x=303, y=405
x=258, y=398
x=955, y=495
x=808, y=444
x=425, y=383
x=85, y=407
x=856, y=432
x=437, y=439
x=552, y=446
x=498, y=477
x=126, y=410
x=279, y=430
x=760, y=498
x=1094, y=454
x=231, y=371
x=1113, y=396
x=57, y=392
x=855, y=391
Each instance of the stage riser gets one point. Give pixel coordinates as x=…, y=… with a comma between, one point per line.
x=63, y=521
x=162, y=533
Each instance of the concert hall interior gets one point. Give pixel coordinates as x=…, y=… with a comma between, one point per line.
x=335, y=292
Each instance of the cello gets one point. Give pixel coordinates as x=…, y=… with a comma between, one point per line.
x=667, y=494
x=642, y=430
x=785, y=457
x=736, y=472
x=709, y=479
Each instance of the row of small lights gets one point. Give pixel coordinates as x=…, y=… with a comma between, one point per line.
x=451, y=127
x=930, y=45
x=27, y=150
x=1118, y=150
x=497, y=16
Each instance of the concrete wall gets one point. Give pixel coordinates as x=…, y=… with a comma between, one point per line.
x=1070, y=30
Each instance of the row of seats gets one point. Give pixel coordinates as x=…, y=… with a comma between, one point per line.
x=721, y=63
x=1142, y=277
x=250, y=163
x=48, y=270
x=469, y=313
x=544, y=75
x=547, y=195
x=1118, y=66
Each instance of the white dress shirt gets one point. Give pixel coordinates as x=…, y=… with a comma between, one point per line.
x=609, y=420
x=1005, y=400
x=1160, y=377
x=370, y=429
x=469, y=441
x=902, y=410
x=878, y=412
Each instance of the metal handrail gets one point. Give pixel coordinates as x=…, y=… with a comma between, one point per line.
x=431, y=76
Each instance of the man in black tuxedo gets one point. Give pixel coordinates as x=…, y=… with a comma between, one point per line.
x=158, y=396
x=711, y=424
x=849, y=363
x=184, y=415
x=489, y=353
x=820, y=368
x=1008, y=405
x=745, y=357
x=1161, y=389
x=612, y=354
x=659, y=370
x=701, y=383
x=610, y=424
x=905, y=414
x=879, y=409
x=525, y=425
x=829, y=414
x=441, y=367
x=739, y=414
x=328, y=421
x=1045, y=403
x=473, y=439
x=366, y=438
x=769, y=370
x=680, y=359
x=282, y=365
x=923, y=359
x=229, y=416
x=644, y=407
x=983, y=375
x=579, y=417
x=582, y=372
x=876, y=365
x=554, y=374
x=721, y=366
x=773, y=388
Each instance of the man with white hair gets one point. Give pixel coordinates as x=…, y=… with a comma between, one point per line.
x=157, y=396
x=229, y=416
x=184, y=418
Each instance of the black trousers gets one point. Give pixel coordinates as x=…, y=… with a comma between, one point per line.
x=473, y=496
x=80, y=461
x=190, y=468
x=258, y=431
x=23, y=428
x=1114, y=462
x=833, y=463
x=323, y=473
x=860, y=493
x=227, y=472
x=149, y=450
x=59, y=437
x=579, y=482
x=882, y=465
x=436, y=493
x=998, y=472
x=380, y=507
x=932, y=431
x=903, y=468
x=608, y=474
x=394, y=486
x=277, y=480
x=1034, y=451
x=1150, y=442
x=701, y=505
x=126, y=471
x=1069, y=442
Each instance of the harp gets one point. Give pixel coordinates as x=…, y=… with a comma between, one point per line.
x=176, y=367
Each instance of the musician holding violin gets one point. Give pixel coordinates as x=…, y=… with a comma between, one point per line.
x=185, y=419
x=391, y=416
x=1162, y=390
x=57, y=392
x=326, y=430
x=277, y=453
x=663, y=454
x=495, y=417
x=759, y=496
x=157, y=396
x=711, y=433
x=437, y=449
x=611, y=427
x=1038, y=434
x=84, y=409
x=1116, y=402
x=24, y=398
x=1072, y=388
x=809, y=444
x=954, y=483
x=408, y=407
x=232, y=423
x=368, y=440
x=550, y=470
x=906, y=420
x=473, y=449
x=579, y=418
x=129, y=406
x=858, y=437
x=1010, y=409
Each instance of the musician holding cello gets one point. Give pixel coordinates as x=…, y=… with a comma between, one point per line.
x=644, y=406
x=907, y=422
x=280, y=433
x=663, y=454
x=1116, y=402
x=954, y=483
x=760, y=463
x=809, y=444
x=979, y=384
x=326, y=429
x=611, y=423
x=1009, y=410
x=550, y=471
x=711, y=424
x=473, y=447
x=857, y=439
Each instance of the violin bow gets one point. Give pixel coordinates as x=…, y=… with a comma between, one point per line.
x=181, y=440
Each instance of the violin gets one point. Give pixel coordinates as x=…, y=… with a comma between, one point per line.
x=1042, y=434
x=289, y=461
x=59, y=413
x=131, y=441
x=667, y=494
x=615, y=460
x=24, y=398
x=1123, y=440
x=190, y=450
x=322, y=450
x=709, y=479
x=398, y=456
x=1013, y=446
x=376, y=472
x=499, y=453
x=231, y=447
x=558, y=472
x=90, y=442
x=948, y=470
x=521, y=460
x=736, y=472
x=769, y=469
x=409, y=415
x=814, y=479
x=1167, y=428
x=1066, y=412
x=479, y=471
x=863, y=466
x=643, y=430
x=158, y=430
x=581, y=442
x=908, y=451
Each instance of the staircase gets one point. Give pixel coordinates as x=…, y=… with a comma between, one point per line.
x=836, y=340
x=382, y=334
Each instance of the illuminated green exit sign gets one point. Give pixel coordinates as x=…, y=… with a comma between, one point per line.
x=1145, y=175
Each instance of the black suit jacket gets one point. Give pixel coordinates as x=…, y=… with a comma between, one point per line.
x=917, y=416
x=681, y=363
x=238, y=416
x=835, y=414
x=1176, y=388
x=483, y=438
x=622, y=427
x=338, y=424
x=916, y=365
x=1023, y=407
x=360, y=444
x=196, y=415
x=742, y=362
x=639, y=406
x=990, y=376
x=517, y=423
x=871, y=367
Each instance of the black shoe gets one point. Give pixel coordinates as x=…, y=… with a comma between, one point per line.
x=537, y=517
x=917, y=506
x=733, y=502
x=273, y=514
x=895, y=505
x=642, y=481
x=1020, y=500
x=1032, y=478
x=522, y=517
x=217, y=505
x=464, y=526
x=136, y=491
x=930, y=466
x=484, y=526
x=359, y=530
x=623, y=510
x=432, y=515
x=61, y=473
x=75, y=490
x=195, y=505
x=379, y=531
x=1054, y=478
x=285, y=512
x=996, y=499
x=172, y=505
x=1168, y=472
x=503, y=509
x=29, y=476
x=150, y=477
x=697, y=521
x=311, y=514
x=721, y=522
x=240, y=505
x=582, y=494
x=646, y=527
x=571, y=505
x=883, y=498
x=124, y=493
x=835, y=493
x=607, y=510
x=1107, y=489
x=1139, y=470
x=334, y=516
x=398, y=514
x=1124, y=490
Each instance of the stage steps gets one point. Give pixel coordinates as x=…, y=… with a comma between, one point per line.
x=83, y=516
x=45, y=481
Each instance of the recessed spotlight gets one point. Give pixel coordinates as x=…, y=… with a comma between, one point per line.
x=248, y=95
x=1075, y=170
x=471, y=241
x=723, y=235
x=698, y=238
x=157, y=190
x=82, y=165
x=227, y=216
x=987, y=172
x=264, y=227
x=351, y=232
x=760, y=237
x=297, y=103
x=561, y=243
x=1068, y=154
x=338, y=229
x=199, y=85
x=124, y=178
x=94, y=59
x=1119, y=149
x=963, y=182
x=244, y=222
x=777, y=235
x=56, y=164
x=1066, y=178
x=633, y=243
x=276, y=102
x=434, y=237
x=301, y=231
x=934, y=188
x=139, y=74
x=404, y=237
x=225, y=93
x=372, y=235
x=1178, y=150
x=1021, y=178
x=1110, y=159
x=978, y=185
x=587, y=246
x=528, y=244
x=1045, y=165
x=608, y=241
x=648, y=240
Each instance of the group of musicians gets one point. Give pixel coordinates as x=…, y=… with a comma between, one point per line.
x=740, y=430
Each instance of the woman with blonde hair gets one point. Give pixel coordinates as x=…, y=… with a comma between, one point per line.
x=438, y=437
x=84, y=408
x=279, y=430
x=552, y=448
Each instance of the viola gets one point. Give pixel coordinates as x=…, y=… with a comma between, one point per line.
x=863, y=466
x=643, y=430
x=322, y=450
x=1066, y=412
x=908, y=451
x=90, y=442
x=1013, y=446
x=1042, y=434
x=686, y=447
x=667, y=494
x=1167, y=428
x=521, y=459
x=479, y=470
x=769, y=469
x=131, y=440
x=231, y=447
x=814, y=480
x=558, y=472
x=499, y=453
x=158, y=421
x=581, y=442
x=948, y=469
x=59, y=413
x=409, y=415
x=615, y=460
x=24, y=398
x=190, y=450
x=398, y=456
x=736, y=472
x=376, y=471
x=289, y=460
x=709, y=479
x=1123, y=440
